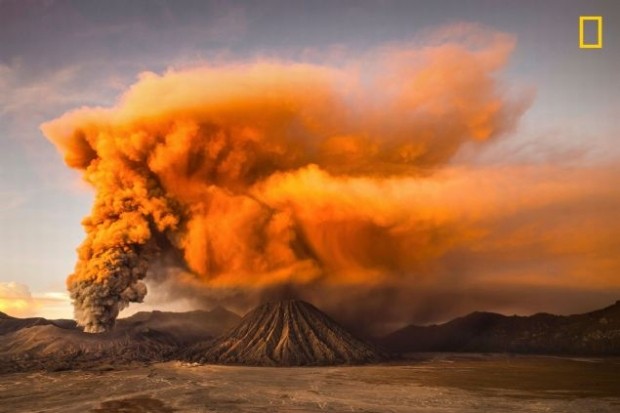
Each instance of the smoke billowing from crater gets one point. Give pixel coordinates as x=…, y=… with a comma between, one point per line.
x=275, y=173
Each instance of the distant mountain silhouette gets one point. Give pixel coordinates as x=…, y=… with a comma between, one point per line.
x=10, y=324
x=37, y=343
x=187, y=327
x=290, y=333
x=594, y=333
x=286, y=333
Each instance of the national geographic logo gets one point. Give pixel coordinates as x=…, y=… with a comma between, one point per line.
x=590, y=32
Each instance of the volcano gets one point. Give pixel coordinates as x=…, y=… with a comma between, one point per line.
x=286, y=333
x=39, y=344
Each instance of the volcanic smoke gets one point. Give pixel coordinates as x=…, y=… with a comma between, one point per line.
x=275, y=173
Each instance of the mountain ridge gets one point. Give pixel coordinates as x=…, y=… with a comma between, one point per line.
x=40, y=344
x=593, y=333
x=290, y=333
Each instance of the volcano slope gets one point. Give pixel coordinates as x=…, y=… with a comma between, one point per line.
x=286, y=333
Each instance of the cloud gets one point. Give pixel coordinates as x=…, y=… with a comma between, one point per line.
x=240, y=182
x=25, y=95
x=500, y=238
x=217, y=162
x=16, y=300
x=11, y=200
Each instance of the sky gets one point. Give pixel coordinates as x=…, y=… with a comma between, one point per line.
x=56, y=56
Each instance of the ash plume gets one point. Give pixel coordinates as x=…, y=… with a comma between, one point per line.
x=277, y=173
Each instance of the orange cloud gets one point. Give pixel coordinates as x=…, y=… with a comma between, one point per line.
x=16, y=300
x=270, y=173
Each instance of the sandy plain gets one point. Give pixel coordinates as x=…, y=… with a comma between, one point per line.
x=425, y=383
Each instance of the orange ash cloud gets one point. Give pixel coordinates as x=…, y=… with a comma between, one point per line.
x=279, y=173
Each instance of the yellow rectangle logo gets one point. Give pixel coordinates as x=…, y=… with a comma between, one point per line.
x=599, y=37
